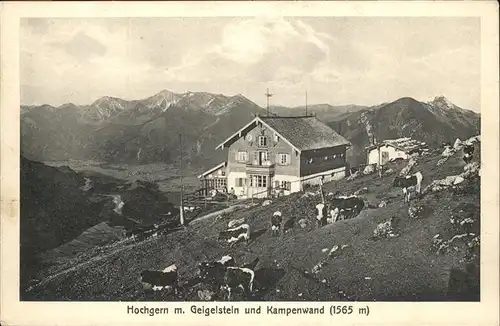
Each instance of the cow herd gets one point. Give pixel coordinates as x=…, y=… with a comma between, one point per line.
x=222, y=275
x=235, y=234
x=338, y=208
x=409, y=183
x=277, y=225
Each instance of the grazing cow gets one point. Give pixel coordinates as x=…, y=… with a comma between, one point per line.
x=213, y=272
x=166, y=279
x=345, y=207
x=407, y=182
x=468, y=153
x=238, y=277
x=234, y=223
x=232, y=236
x=288, y=225
x=276, y=223
x=321, y=218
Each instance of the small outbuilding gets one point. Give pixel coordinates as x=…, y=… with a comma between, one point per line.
x=391, y=149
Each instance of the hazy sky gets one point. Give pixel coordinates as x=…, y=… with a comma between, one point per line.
x=338, y=60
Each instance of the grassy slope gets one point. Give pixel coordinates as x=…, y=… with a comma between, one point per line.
x=402, y=268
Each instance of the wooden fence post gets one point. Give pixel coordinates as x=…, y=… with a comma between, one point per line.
x=321, y=190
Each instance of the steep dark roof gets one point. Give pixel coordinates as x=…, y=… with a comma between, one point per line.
x=303, y=133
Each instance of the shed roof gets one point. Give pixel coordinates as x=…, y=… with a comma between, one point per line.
x=303, y=133
x=215, y=168
x=405, y=144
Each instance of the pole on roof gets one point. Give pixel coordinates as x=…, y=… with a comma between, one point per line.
x=306, y=103
x=268, y=95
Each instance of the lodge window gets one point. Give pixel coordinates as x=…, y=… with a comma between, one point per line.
x=242, y=156
x=262, y=141
x=220, y=183
x=286, y=185
x=239, y=182
x=283, y=159
x=259, y=181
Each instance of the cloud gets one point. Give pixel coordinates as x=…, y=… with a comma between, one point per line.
x=260, y=50
x=82, y=47
x=338, y=60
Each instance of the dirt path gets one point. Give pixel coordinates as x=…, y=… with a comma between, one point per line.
x=225, y=210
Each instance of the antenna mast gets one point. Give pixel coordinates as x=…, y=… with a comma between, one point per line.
x=182, y=184
x=268, y=95
x=306, y=103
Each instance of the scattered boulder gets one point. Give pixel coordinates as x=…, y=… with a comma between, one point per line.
x=442, y=161
x=303, y=223
x=470, y=170
x=335, y=251
x=448, y=182
x=415, y=211
x=363, y=190
x=266, y=202
x=388, y=171
x=369, y=169
x=206, y=295
x=317, y=268
x=472, y=140
x=308, y=194
x=448, y=151
x=458, y=145
x=383, y=203
x=385, y=229
x=442, y=246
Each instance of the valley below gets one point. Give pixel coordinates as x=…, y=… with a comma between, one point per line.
x=93, y=175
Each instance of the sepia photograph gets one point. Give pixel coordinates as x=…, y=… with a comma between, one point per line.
x=164, y=159
x=251, y=158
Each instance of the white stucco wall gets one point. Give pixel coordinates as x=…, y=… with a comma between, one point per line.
x=295, y=182
x=393, y=153
x=231, y=182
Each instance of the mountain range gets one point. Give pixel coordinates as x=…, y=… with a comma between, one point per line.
x=144, y=131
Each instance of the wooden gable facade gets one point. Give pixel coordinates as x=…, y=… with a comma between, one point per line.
x=278, y=155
